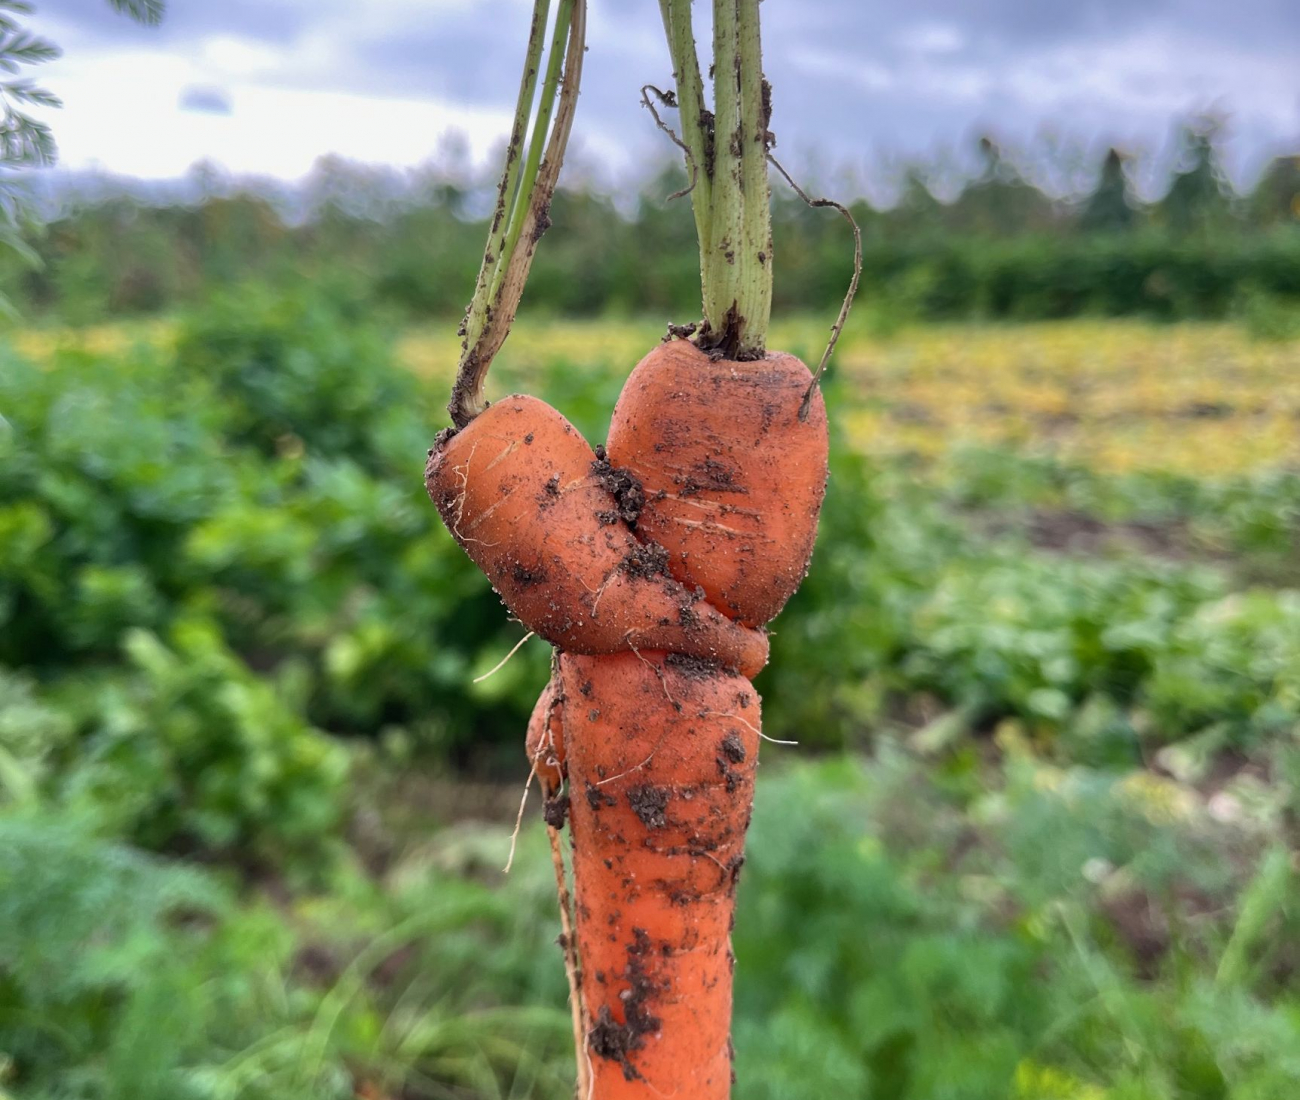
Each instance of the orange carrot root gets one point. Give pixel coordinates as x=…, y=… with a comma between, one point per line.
x=523, y=493
x=662, y=793
x=545, y=746
x=733, y=478
x=651, y=568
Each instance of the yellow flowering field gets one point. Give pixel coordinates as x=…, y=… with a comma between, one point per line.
x=1202, y=400
x=41, y=344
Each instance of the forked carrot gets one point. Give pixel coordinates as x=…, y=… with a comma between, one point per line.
x=652, y=567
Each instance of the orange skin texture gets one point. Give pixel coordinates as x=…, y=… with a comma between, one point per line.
x=517, y=491
x=546, y=739
x=733, y=479
x=661, y=755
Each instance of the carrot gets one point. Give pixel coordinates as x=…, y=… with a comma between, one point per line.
x=733, y=476
x=657, y=745
x=525, y=496
x=661, y=752
x=545, y=742
x=651, y=566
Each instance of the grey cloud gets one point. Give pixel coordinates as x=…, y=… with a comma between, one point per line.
x=205, y=101
x=852, y=78
x=276, y=22
x=1007, y=25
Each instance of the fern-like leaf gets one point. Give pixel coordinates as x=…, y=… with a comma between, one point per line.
x=25, y=142
x=149, y=12
x=24, y=91
x=25, y=48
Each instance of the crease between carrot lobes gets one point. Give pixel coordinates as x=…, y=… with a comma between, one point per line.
x=651, y=566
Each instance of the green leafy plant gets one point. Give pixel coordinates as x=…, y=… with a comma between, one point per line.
x=193, y=749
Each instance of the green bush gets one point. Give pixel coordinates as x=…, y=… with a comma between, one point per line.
x=192, y=749
x=299, y=371
x=1267, y=315
x=266, y=478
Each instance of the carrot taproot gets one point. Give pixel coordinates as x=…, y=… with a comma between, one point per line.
x=661, y=751
x=526, y=497
x=733, y=476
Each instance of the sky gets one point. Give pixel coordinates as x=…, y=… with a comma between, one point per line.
x=266, y=87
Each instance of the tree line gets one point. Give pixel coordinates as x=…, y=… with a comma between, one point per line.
x=1000, y=247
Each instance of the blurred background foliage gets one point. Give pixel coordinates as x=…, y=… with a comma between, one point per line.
x=1009, y=239
x=1037, y=840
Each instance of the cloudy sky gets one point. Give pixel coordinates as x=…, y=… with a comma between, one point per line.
x=266, y=86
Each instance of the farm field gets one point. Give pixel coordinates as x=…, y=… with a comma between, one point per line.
x=1193, y=399
x=1036, y=840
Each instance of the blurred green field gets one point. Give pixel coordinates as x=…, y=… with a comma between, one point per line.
x=1037, y=840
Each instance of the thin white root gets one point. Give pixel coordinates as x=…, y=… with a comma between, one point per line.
x=601, y=590
x=504, y=660
x=748, y=725
x=663, y=681
x=459, y=511
x=637, y=767
x=519, y=820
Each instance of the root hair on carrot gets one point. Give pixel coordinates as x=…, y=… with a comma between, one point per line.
x=748, y=725
x=504, y=660
x=519, y=819
x=669, y=99
x=601, y=590
x=635, y=767
x=458, y=510
x=838, y=327
x=659, y=673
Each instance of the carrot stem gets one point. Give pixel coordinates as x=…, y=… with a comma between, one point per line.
x=696, y=121
x=727, y=150
x=722, y=309
x=523, y=200
x=754, y=266
x=476, y=316
x=563, y=20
